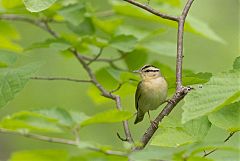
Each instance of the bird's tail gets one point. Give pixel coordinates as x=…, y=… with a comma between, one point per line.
x=140, y=116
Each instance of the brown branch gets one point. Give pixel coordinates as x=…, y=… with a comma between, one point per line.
x=61, y=79
x=151, y=10
x=180, y=90
x=59, y=140
x=179, y=60
x=37, y=22
x=94, y=59
x=104, y=92
x=104, y=59
x=166, y=111
x=210, y=152
x=44, y=25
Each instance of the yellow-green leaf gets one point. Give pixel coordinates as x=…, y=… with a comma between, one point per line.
x=111, y=116
x=227, y=118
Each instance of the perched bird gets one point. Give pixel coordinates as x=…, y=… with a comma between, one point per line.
x=151, y=91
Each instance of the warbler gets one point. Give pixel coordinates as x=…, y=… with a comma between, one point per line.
x=151, y=91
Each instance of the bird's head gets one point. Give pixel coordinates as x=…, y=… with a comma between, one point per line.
x=149, y=72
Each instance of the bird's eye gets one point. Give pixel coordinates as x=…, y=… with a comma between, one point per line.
x=147, y=70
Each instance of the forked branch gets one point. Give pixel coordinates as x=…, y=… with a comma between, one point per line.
x=82, y=60
x=180, y=90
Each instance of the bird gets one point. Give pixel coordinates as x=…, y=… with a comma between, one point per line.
x=151, y=91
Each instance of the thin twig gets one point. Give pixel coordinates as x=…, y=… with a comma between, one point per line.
x=104, y=92
x=151, y=10
x=121, y=138
x=59, y=140
x=81, y=59
x=104, y=59
x=37, y=22
x=210, y=152
x=229, y=136
x=61, y=79
x=94, y=59
x=118, y=87
x=48, y=28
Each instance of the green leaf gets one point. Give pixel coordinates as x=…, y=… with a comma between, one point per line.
x=40, y=155
x=97, y=156
x=106, y=79
x=172, y=137
x=110, y=116
x=139, y=33
x=38, y=5
x=7, y=44
x=7, y=58
x=224, y=152
x=190, y=79
x=222, y=89
x=202, y=28
x=198, y=128
x=11, y=4
x=78, y=118
x=125, y=43
x=227, y=118
x=63, y=117
x=108, y=26
x=174, y=134
x=171, y=2
x=162, y=48
x=74, y=14
x=58, y=45
x=86, y=27
x=196, y=158
x=192, y=25
x=30, y=121
x=153, y=153
x=236, y=64
x=12, y=81
x=141, y=56
x=9, y=31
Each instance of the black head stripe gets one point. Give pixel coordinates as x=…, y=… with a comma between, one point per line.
x=147, y=66
x=151, y=70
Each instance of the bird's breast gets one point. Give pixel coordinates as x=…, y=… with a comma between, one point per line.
x=155, y=92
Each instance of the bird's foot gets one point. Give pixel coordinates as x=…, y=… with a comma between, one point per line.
x=154, y=124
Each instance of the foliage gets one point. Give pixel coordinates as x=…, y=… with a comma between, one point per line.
x=122, y=39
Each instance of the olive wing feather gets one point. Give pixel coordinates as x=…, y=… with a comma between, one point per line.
x=138, y=94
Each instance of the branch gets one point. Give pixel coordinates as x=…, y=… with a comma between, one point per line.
x=61, y=79
x=39, y=23
x=180, y=90
x=104, y=59
x=151, y=10
x=44, y=25
x=210, y=152
x=59, y=140
x=166, y=111
x=94, y=59
x=104, y=92
x=181, y=23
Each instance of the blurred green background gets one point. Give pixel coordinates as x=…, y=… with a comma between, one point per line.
x=201, y=55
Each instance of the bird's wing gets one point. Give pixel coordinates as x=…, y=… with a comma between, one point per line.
x=138, y=94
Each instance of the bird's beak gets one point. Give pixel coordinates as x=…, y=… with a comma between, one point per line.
x=136, y=71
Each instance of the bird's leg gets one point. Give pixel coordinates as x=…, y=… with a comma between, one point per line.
x=153, y=123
